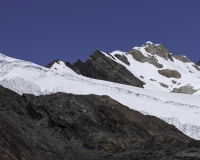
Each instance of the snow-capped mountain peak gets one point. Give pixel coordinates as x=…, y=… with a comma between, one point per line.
x=147, y=76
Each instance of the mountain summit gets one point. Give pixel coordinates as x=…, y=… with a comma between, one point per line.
x=142, y=79
x=150, y=66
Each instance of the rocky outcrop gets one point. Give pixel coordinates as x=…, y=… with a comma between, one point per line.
x=198, y=63
x=66, y=126
x=182, y=58
x=174, y=82
x=98, y=66
x=123, y=59
x=159, y=50
x=197, y=67
x=138, y=56
x=185, y=89
x=170, y=73
x=163, y=85
x=52, y=63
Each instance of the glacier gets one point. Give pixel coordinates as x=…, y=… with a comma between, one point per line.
x=180, y=110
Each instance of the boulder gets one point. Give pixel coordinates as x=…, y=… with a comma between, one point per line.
x=163, y=85
x=185, y=89
x=173, y=81
x=170, y=73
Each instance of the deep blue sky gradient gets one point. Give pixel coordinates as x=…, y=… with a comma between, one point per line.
x=43, y=30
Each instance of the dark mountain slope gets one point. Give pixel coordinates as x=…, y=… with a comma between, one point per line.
x=98, y=66
x=67, y=126
x=198, y=63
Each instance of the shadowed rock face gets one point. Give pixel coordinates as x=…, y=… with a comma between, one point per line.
x=123, y=59
x=67, y=126
x=51, y=64
x=185, y=89
x=198, y=63
x=99, y=66
x=197, y=67
x=170, y=73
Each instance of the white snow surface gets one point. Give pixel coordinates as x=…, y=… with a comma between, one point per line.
x=181, y=110
x=149, y=71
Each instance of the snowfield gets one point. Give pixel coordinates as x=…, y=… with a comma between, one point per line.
x=181, y=110
x=149, y=71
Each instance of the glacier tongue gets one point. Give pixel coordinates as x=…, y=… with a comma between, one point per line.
x=25, y=77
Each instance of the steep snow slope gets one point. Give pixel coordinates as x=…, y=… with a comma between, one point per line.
x=149, y=74
x=25, y=77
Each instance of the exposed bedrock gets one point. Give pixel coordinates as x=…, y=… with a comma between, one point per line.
x=99, y=66
x=185, y=89
x=182, y=58
x=170, y=73
x=123, y=59
x=198, y=63
x=197, y=67
x=138, y=56
x=158, y=49
x=66, y=126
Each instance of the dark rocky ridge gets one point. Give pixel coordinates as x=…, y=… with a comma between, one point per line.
x=51, y=64
x=123, y=59
x=198, y=63
x=197, y=67
x=98, y=66
x=66, y=126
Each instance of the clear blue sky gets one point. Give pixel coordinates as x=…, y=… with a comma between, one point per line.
x=43, y=30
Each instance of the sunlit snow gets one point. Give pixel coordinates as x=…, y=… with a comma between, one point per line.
x=181, y=110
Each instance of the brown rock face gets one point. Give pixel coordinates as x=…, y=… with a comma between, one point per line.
x=65, y=126
x=159, y=50
x=138, y=56
x=185, y=89
x=170, y=73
